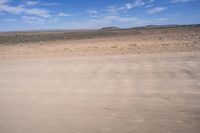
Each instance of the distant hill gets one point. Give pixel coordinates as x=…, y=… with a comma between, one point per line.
x=110, y=28
x=171, y=25
x=152, y=26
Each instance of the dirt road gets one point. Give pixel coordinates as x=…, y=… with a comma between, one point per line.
x=157, y=93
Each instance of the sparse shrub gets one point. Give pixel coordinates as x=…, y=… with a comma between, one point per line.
x=115, y=46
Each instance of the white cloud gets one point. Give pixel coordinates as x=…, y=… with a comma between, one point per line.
x=3, y=1
x=148, y=6
x=137, y=3
x=39, y=20
x=92, y=12
x=129, y=6
x=63, y=14
x=50, y=4
x=11, y=9
x=110, y=20
x=112, y=10
x=22, y=10
x=38, y=12
x=156, y=9
x=32, y=19
x=151, y=1
x=181, y=1
x=32, y=3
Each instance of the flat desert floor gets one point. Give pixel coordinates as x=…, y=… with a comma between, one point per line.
x=124, y=84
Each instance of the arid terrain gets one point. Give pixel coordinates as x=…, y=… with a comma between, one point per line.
x=142, y=80
x=100, y=42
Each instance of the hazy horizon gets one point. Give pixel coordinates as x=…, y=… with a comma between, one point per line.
x=38, y=30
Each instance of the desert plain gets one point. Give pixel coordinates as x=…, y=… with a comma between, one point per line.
x=141, y=80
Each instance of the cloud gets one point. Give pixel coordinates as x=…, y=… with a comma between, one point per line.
x=156, y=9
x=38, y=12
x=151, y=1
x=92, y=12
x=6, y=8
x=111, y=16
x=109, y=20
x=39, y=20
x=3, y=1
x=11, y=9
x=50, y=4
x=32, y=19
x=63, y=14
x=181, y=1
x=148, y=6
x=128, y=6
x=32, y=3
x=136, y=3
x=112, y=10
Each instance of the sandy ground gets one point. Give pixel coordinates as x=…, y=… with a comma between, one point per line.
x=157, y=93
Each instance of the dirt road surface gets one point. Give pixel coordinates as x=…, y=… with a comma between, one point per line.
x=157, y=93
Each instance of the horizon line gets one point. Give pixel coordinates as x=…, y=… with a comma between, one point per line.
x=85, y=29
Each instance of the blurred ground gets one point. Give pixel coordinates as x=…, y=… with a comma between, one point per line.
x=106, y=94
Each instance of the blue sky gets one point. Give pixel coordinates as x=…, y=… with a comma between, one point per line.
x=92, y=14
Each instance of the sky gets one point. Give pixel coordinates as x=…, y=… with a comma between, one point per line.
x=17, y=15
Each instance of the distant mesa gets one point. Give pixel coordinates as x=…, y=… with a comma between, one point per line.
x=110, y=28
x=171, y=25
x=154, y=26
